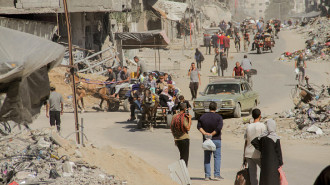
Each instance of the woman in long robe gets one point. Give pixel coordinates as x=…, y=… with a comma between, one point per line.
x=271, y=155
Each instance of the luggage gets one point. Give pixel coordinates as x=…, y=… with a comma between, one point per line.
x=243, y=177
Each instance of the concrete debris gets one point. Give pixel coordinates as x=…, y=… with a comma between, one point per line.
x=315, y=129
x=317, y=49
x=32, y=157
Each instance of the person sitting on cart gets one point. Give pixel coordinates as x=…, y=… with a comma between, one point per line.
x=182, y=101
x=168, y=79
x=160, y=85
x=150, y=82
x=166, y=100
x=135, y=100
x=111, y=80
x=122, y=81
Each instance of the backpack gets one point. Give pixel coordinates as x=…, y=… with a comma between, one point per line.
x=202, y=57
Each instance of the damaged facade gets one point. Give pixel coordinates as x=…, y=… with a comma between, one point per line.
x=89, y=19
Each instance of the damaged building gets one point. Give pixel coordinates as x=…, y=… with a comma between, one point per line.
x=90, y=19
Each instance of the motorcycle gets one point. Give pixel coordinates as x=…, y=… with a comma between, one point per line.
x=259, y=44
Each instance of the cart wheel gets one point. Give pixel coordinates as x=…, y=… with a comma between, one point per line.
x=169, y=120
x=114, y=106
x=126, y=105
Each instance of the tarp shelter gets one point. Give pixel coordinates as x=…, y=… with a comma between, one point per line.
x=25, y=60
x=148, y=39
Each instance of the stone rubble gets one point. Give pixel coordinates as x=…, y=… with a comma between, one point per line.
x=32, y=157
x=316, y=32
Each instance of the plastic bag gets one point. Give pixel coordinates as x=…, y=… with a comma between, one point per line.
x=214, y=69
x=283, y=180
x=209, y=145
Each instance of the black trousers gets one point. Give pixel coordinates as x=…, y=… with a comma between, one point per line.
x=55, y=119
x=183, y=146
x=193, y=89
x=133, y=106
x=226, y=50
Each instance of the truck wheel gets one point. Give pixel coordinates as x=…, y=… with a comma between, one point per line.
x=169, y=120
x=237, y=111
x=126, y=105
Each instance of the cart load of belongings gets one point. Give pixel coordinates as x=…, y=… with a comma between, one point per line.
x=25, y=60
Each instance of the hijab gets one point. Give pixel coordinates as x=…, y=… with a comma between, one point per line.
x=271, y=131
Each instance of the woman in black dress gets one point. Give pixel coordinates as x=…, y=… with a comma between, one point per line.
x=271, y=155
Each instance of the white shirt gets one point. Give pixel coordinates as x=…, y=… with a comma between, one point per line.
x=253, y=130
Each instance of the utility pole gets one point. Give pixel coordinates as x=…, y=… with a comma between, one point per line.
x=75, y=110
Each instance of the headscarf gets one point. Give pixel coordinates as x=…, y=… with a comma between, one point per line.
x=271, y=131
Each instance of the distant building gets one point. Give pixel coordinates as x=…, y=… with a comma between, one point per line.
x=299, y=6
x=255, y=8
x=90, y=19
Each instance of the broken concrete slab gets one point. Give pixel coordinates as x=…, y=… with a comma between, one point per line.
x=179, y=173
x=315, y=129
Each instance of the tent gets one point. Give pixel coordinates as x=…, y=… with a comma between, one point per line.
x=25, y=60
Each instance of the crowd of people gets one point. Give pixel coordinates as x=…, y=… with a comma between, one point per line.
x=161, y=86
x=262, y=147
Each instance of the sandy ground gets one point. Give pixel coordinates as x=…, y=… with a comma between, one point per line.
x=303, y=159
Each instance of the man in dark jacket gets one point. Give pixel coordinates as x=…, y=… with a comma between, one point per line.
x=111, y=80
x=207, y=43
x=210, y=125
x=214, y=39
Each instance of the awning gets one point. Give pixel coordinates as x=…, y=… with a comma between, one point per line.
x=148, y=39
x=25, y=60
x=168, y=9
x=39, y=28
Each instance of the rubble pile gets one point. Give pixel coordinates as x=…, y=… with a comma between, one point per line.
x=312, y=109
x=309, y=119
x=32, y=157
x=316, y=31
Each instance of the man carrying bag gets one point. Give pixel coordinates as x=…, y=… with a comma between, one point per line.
x=210, y=125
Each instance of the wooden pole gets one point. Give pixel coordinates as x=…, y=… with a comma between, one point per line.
x=75, y=110
x=155, y=55
x=158, y=60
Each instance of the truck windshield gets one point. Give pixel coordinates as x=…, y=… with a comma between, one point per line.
x=222, y=89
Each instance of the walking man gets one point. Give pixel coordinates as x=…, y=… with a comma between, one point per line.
x=54, y=108
x=210, y=124
x=207, y=44
x=226, y=42
x=180, y=126
x=217, y=62
x=251, y=155
x=195, y=80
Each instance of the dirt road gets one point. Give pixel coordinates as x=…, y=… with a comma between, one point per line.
x=303, y=160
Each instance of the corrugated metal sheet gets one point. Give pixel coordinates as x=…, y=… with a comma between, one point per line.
x=41, y=29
